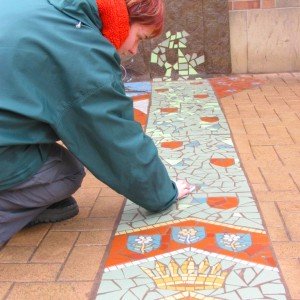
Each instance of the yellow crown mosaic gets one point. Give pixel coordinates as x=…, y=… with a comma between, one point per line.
x=187, y=277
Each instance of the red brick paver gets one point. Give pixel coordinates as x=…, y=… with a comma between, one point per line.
x=265, y=124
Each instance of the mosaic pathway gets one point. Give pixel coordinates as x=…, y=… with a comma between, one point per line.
x=210, y=245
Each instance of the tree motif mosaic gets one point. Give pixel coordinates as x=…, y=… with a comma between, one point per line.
x=186, y=63
x=188, y=235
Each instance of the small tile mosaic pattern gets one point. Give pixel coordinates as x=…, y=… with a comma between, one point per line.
x=185, y=64
x=210, y=245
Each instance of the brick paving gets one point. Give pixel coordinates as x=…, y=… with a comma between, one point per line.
x=265, y=125
x=61, y=261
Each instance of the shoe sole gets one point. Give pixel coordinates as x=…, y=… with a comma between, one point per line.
x=56, y=215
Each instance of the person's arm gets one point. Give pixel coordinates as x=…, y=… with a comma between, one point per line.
x=100, y=131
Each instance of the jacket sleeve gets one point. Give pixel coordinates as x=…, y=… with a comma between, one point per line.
x=100, y=131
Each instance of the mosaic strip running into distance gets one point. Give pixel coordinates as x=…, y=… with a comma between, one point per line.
x=210, y=245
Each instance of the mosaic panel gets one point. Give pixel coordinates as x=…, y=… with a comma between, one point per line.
x=209, y=245
x=191, y=273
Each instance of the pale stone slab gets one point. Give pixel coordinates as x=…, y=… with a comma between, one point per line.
x=273, y=40
x=238, y=41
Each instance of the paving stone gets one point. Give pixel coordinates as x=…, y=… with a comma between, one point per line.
x=87, y=196
x=82, y=264
x=55, y=290
x=55, y=247
x=88, y=224
x=28, y=272
x=90, y=181
x=107, y=207
x=291, y=269
x=30, y=236
x=287, y=249
x=4, y=288
x=94, y=238
x=108, y=192
x=292, y=221
x=13, y=254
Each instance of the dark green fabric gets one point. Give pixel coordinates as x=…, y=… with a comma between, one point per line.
x=62, y=82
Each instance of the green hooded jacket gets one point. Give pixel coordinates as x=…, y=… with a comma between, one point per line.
x=61, y=82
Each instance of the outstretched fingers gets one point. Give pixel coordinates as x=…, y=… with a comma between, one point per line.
x=184, y=188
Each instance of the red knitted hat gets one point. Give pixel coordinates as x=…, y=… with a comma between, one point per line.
x=115, y=20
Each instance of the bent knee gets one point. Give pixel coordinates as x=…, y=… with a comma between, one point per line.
x=76, y=179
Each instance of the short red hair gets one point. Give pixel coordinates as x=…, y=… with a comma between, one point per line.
x=147, y=12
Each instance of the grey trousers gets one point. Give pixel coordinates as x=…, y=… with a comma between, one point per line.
x=60, y=176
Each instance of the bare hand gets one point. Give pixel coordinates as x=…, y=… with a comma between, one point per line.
x=184, y=188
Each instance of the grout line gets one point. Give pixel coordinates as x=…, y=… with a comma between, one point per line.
x=67, y=257
x=100, y=272
x=283, y=222
x=278, y=156
x=292, y=178
x=259, y=170
x=269, y=188
x=290, y=135
x=9, y=291
x=264, y=125
x=89, y=215
x=39, y=243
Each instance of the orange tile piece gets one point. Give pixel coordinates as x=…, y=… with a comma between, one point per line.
x=169, y=109
x=172, y=145
x=222, y=162
x=200, y=96
x=222, y=202
x=140, y=117
x=197, y=83
x=210, y=119
x=141, y=97
x=162, y=90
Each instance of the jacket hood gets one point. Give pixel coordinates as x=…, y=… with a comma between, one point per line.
x=85, y=11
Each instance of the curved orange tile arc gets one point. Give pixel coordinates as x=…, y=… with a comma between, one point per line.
x=210, y=119
x=222, y=162
x=169, y=109
x=259, y=252
x=141, y=97
x=161, y=90
x=197, y=83
x=200, y=96
x=172, y=144
x=222, y=202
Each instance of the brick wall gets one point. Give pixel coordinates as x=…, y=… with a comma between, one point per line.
x=261, y=4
